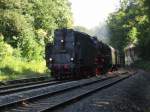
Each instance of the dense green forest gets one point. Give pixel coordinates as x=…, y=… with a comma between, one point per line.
x=130, y=24
x=25, y=27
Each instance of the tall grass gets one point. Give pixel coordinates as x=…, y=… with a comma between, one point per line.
x=16, y=68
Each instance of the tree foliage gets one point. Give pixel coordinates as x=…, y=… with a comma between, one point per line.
x=131, y=25
x=6, y=49
x=28, y=24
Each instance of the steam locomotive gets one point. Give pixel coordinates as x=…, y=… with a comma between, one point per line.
x=75, y=54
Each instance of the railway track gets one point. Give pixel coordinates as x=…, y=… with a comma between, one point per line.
x=10, y=89
x=27, y=86
x=22, y=84
x=51, y=97
x=25, y=80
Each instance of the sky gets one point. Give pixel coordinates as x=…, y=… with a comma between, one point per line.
x=90, y=13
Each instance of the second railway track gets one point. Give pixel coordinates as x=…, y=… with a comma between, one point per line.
x=27, y=86
x=49, y=98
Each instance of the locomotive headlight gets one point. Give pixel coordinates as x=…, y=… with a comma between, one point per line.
x=72, y=59
x=50, y=59
x=62, y=41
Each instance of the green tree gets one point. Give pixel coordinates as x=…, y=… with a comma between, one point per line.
x=130, y=25
x=49, y=15
x=21, y=23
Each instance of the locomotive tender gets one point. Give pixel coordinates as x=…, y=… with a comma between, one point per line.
x=76, y=54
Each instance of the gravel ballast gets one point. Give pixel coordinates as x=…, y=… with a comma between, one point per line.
x=130, y=95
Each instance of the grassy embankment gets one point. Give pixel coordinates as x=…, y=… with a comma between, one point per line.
x=13, y=68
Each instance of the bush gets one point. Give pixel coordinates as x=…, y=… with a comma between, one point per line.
x=14, y=68
x=19, y=33
x=5, y=49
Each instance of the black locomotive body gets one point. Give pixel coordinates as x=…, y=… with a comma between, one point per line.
x=76, y=54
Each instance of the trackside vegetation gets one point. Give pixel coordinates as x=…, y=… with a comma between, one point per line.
x=25, y=27
x=130, y=24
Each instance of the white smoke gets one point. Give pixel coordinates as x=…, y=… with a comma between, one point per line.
x=101, y=32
